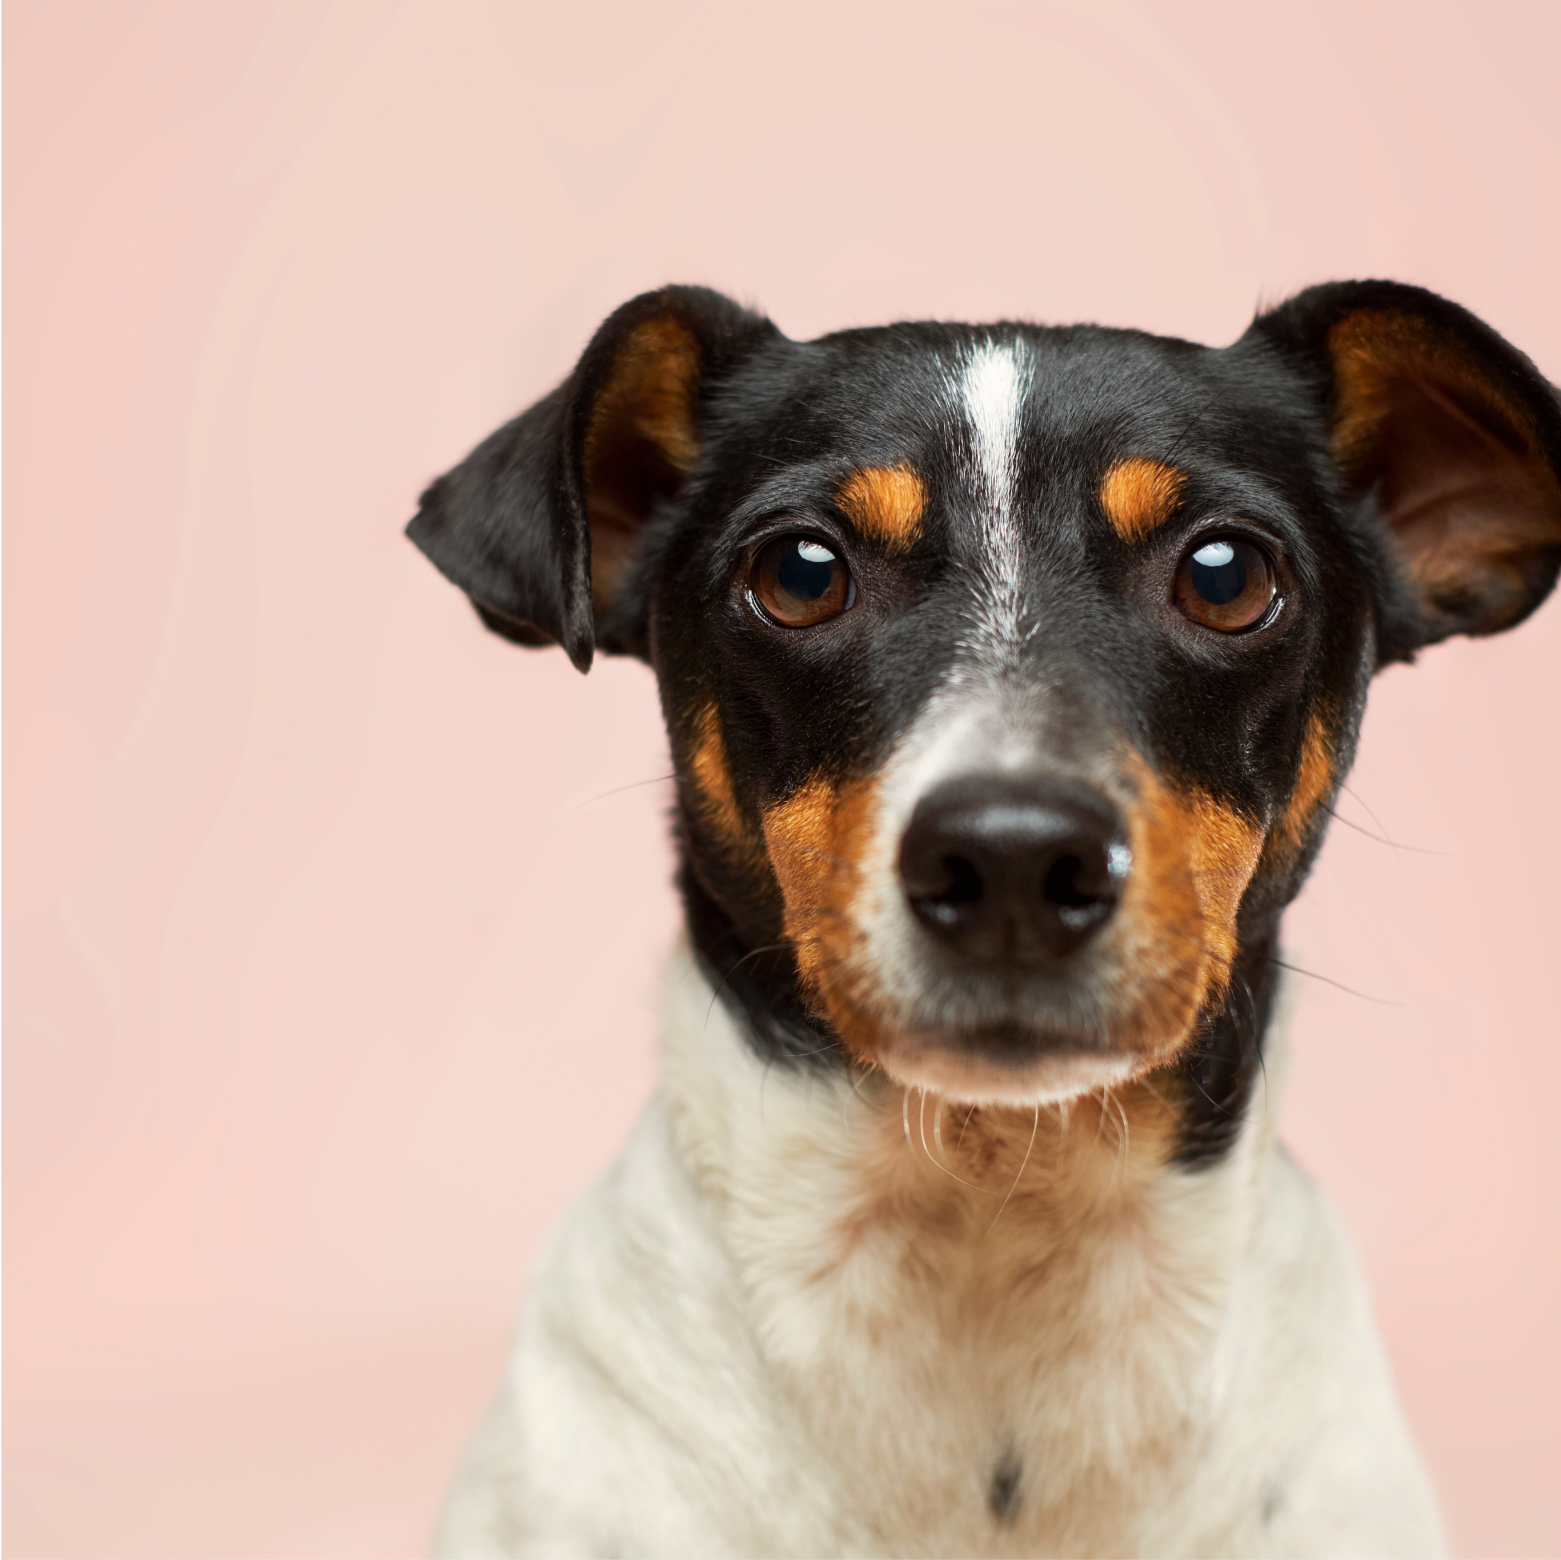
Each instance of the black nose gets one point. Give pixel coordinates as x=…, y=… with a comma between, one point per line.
x=1015, y=871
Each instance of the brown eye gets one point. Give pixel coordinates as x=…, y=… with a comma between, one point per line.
x=799, y=581
x=1226, y=584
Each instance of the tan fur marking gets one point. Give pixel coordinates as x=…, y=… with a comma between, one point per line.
x=1224, y=849
x=1374, y=348
x=1193, y=858
x=1313, y=786
x=1139, y=495
x=712, y=778
x=816, y=838
x=707, y=764
x=643, y=422
x=651, y=387
x=1470, y=510
x=885, y=503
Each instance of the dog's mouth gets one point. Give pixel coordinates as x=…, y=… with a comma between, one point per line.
x=1018, y=1043
x=1009, y=1062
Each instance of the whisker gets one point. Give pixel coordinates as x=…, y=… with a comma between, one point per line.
x=1252, y=1030
x=1127, y=1136
x=1034, y=1127
x=1064, y=1115
x=1197, y=418
x=1313, y=975
x=961, y=1143
x=1144, y=1083
x=1100, y=1120
x=715, y=997
x=617, y=790
x=1218, y=1105
x=1419, y=850
x=855, y=1079
x=937, y=1137
x=1382, y=839
x=797, y=1056
x=1365, y=806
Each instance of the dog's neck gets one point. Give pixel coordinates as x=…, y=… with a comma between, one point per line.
x=878, y=1235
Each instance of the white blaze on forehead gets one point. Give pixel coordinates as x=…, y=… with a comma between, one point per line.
x=993, y=382
x=992, y=386
x=981, y=717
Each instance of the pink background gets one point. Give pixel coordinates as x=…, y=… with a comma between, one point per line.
x=329, y=956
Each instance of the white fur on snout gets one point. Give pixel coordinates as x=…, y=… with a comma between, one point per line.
x=975, y=724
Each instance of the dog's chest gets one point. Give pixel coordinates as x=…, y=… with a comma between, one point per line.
x=800, y=1319
x=978, y=1358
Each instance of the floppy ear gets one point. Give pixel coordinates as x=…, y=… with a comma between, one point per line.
x=1452, y=433
x=539, y=525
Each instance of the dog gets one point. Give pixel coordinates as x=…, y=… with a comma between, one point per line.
x=1009, y=673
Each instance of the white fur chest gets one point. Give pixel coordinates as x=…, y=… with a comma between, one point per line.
x=801, y=1319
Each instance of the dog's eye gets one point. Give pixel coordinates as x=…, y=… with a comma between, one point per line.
x=1226, y=583
x=799, y=581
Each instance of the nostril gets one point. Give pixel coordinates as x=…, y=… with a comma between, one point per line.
x=964, y=881
x=1062, y=884
x=957, y=887
x=1081, y=892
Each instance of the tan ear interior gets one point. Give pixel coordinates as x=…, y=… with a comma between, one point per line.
x=641, y=444
x=1457, y=467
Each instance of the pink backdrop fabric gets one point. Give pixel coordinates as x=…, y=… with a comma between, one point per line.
x=333, y=922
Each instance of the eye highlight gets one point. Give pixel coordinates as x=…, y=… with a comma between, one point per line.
x=799, y=581
x=1226, y=583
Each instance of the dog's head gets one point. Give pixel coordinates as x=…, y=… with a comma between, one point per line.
x=1010, y=672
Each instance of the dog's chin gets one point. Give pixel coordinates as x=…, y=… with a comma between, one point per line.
x=969, y=1075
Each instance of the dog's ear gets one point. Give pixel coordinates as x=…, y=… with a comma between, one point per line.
x=539, y=525
x=1453, y=435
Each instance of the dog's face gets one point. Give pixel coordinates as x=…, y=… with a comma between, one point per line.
x=1009, y=671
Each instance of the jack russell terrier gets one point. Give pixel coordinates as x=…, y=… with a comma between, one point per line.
x=1010, y=674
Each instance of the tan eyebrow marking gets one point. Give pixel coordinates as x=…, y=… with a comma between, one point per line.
x=1138, y=495
x=885, y=504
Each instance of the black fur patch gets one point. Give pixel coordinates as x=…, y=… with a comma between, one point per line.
x=1002, y=1496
